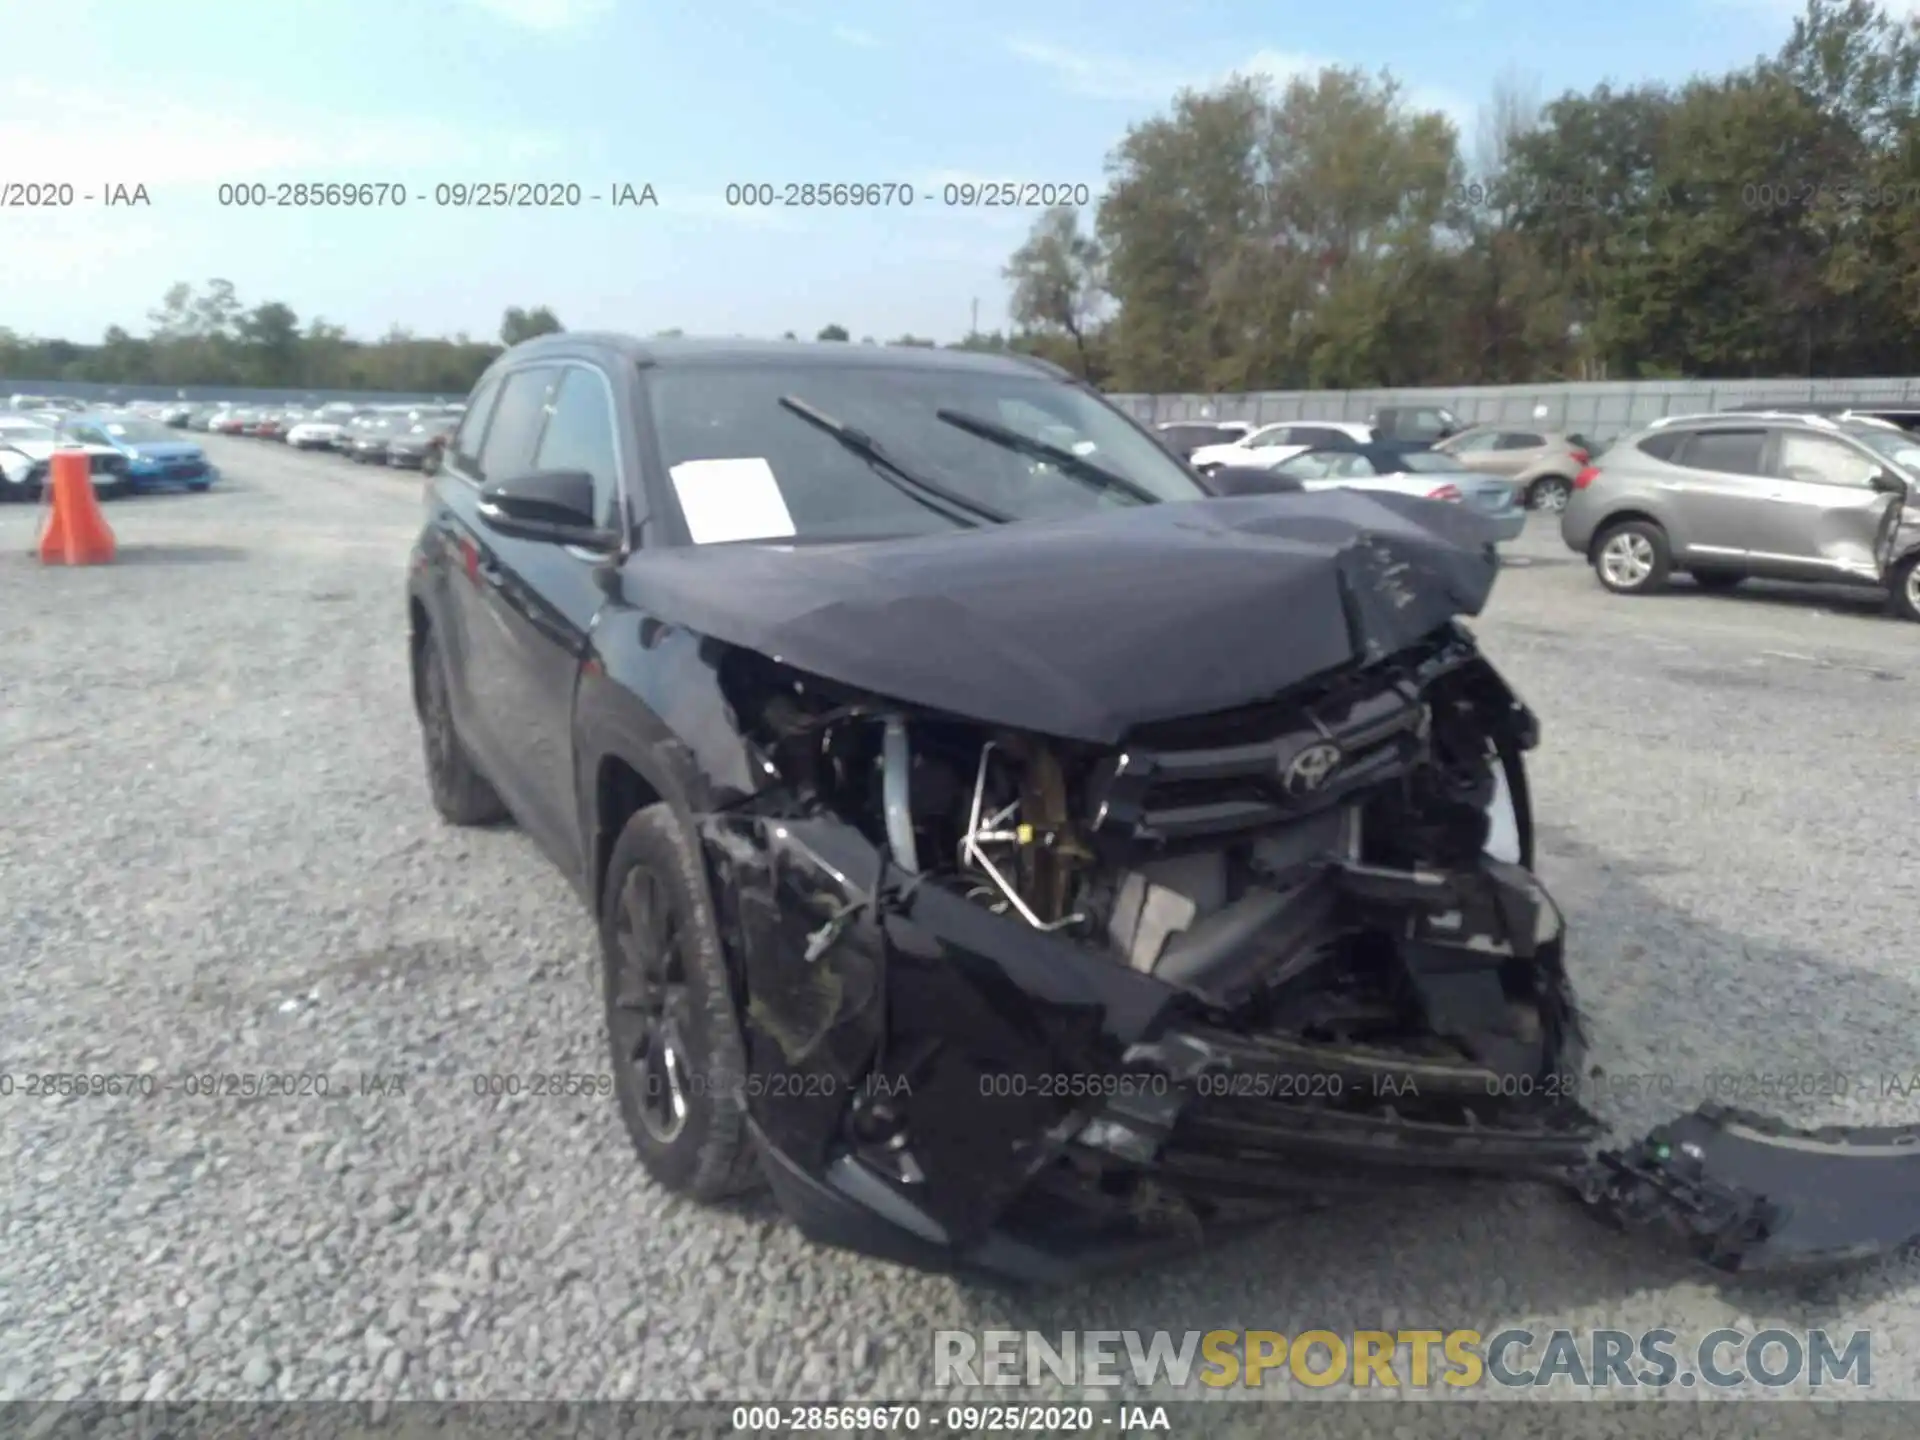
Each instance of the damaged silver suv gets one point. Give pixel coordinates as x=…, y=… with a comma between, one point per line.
x=1015, y=856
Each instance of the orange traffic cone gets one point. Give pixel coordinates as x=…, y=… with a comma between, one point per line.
x=76, y=532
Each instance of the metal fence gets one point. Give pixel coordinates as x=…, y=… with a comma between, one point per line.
x=1601, y=410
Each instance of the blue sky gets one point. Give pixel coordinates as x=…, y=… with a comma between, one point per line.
x=183, y=95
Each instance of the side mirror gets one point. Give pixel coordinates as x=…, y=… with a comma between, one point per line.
x=1887, y=483
x=552, y=506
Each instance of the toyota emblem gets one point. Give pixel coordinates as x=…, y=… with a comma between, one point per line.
x=1311, y=767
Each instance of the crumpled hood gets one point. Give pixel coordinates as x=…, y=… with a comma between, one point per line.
x=1088, y=627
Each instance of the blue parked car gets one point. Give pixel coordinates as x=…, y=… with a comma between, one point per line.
x=156, y=455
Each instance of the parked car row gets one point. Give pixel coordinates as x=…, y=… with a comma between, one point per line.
x=1815, y=495
x=1538, y=465
x=404, y=436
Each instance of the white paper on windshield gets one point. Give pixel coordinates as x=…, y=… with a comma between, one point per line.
x=731, y=500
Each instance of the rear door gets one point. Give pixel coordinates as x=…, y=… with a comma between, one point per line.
x=1475, y=449
x=1715, y=489
x=512, y=431
x=1823, y=516
x=1515, y=451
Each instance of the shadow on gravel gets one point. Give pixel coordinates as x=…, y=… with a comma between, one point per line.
x=177, y=554
x=1678, y=987
x=1840, y=599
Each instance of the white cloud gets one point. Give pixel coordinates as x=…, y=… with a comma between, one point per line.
x=854, y=35
x=546, y=15
x=1112, y=77
x=1102, y=77
x=93, y=137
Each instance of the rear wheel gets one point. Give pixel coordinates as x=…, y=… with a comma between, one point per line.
x=1550, y=493
x=1906, y=588
x=1716, y=579
x=461, y=793
x=679, y=1065
x=1632, y=558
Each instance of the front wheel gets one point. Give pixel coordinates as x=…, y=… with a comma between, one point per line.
x=1550, y=494
x=679, y=1064
x=1632, y=558
x=1906, y=588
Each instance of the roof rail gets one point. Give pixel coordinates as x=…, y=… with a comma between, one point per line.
x=1785, y=412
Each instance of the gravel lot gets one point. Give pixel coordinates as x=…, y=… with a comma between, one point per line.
x=217, y=855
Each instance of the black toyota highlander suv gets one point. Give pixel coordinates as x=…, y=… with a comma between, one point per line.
x=1014, y=855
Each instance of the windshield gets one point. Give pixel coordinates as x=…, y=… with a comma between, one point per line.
x=30, y=434
x=726, y=413
x=138, y=432
x=1898, y=446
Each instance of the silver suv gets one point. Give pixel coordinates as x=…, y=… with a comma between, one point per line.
x=1771, y=496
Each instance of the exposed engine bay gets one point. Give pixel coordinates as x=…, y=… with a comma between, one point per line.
x=1276, y=861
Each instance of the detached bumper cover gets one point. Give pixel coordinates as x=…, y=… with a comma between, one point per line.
x=946, y=1088
x=1746, y=1193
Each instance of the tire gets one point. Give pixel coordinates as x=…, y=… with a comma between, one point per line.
x=1549, y=494
x=1716, y=579
x=200, y=487
x=679, y=1063
x=1632, y=558
x=1905, y=588
x=460, y=792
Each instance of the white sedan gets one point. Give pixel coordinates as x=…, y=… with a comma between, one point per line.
x=27, y=448
x=316, y=434
x=1272, y=445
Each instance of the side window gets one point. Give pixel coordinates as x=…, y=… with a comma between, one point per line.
x=1727, y=452
x=580, y=436
x=1314, y=465
x=1823, y=461
x=465, y=449
x=1661, y=445
x=87, y=435
x=1475, y=442
x=1352, y=467
x=1267, y=438
x=517, y=420
x=1520, y=440
x=1318, y=435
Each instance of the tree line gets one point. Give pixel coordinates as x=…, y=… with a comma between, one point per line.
x=209, y=337
x=1326, y=234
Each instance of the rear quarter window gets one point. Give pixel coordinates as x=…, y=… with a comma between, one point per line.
x=1662, y=446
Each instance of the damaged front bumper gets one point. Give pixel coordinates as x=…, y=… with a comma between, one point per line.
x=948, y=1088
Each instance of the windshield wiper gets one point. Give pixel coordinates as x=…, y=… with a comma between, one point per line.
x=930, y=493
x=1098, y=476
